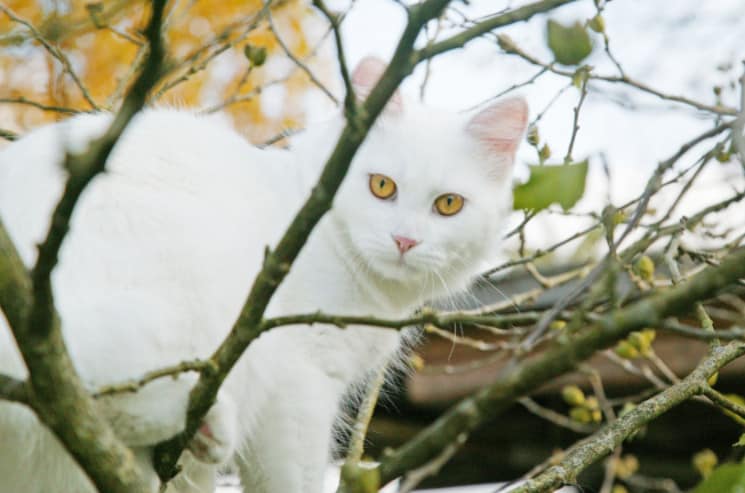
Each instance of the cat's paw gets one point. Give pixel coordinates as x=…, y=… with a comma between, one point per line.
x=215, y=441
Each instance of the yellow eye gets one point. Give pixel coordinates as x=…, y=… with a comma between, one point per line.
x=449, y=204
x=382, y=187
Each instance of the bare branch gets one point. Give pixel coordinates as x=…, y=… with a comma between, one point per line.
x=14, y=390
x=653, y=185
x=575, y=123
x=350, y=470
x=725, y=403
x=44, y=107
x=511, y=48
x=350, y=100
x=192, y=62
x=169, y=371
x=54, y=51
x=8, y=135
x=299, y=63
x=488, y=25
x=524, y=377
x=556, y=418
x=412, y=479
x=609, y=437
x=57, y=393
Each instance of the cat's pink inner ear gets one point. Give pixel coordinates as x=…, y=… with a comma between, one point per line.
x=500, y=127
x=366, y=75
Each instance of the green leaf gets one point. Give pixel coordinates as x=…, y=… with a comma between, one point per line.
x=562, y=184
x=569, y=44
x=729, y=478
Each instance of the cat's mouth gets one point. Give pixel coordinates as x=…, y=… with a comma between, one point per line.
x=398, y=267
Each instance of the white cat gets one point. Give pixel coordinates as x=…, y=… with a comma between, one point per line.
x=164, y=246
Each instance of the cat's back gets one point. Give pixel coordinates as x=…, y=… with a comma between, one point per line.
x=174, y=229
x=163, y=157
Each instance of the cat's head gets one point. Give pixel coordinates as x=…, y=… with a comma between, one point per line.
x=428, y=191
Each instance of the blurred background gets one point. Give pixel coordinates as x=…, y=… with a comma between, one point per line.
x=272, y=70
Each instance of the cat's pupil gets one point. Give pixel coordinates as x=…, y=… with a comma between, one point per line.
x=382, y=183
x=450, y=200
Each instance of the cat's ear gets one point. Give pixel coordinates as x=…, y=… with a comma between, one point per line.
x=500, y=127
x=366, y=75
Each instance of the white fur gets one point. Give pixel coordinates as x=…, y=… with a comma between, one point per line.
x=160, y=257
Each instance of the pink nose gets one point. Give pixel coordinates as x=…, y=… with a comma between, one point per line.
x=404, y=244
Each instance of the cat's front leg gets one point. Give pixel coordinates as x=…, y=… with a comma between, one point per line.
x=288, y=447
x=216, y=438
x=212, y=446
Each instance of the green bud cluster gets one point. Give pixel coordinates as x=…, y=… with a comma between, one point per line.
x=625, y=466
x=639, y=343
x=584, y=409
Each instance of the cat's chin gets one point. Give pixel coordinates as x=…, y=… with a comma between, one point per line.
x=398, y=270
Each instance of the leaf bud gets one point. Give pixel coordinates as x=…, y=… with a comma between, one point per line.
x=557, y=325
x=625, y=350
x=573, y=395
x=506, y=43
x=644, y=268
x=597, y=24
x=581, y=415
x=704, y=462
x=255, y=54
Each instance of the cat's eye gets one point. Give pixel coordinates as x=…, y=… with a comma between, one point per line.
x=449, y=204
x=382, y=186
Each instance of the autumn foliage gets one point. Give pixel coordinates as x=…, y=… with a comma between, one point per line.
x=82, y=56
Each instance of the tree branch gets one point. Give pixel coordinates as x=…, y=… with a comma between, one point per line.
x=14, y=390
x=169, y=371
x=44, y=107
x=524, y=377
x=611, y=436
x=57, y=393
x=511, y=48
x=350, y=100
x=8, y=135
x=517, y=15
x=55, y=52
x=297, y=61
x=725, y=403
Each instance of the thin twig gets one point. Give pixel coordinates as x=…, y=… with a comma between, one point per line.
x=350, y=99
x=299, y=63
x=556, y=418
x=14, y=390
x=412, y=478
x=132, y=386
x=722, y=401
x=8, y=135
x=610, y=436
x=513, y=49
x=55, y=52
x=44, y=107
x=575, y=122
